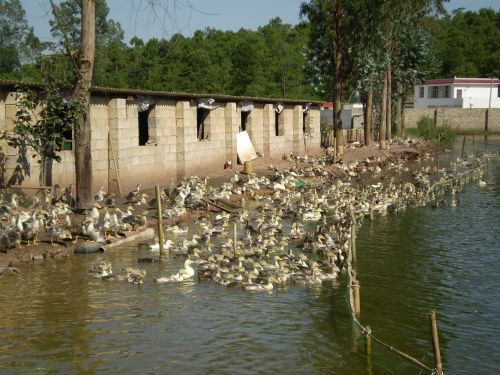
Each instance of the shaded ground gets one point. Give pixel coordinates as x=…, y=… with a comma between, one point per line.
x=14, y=258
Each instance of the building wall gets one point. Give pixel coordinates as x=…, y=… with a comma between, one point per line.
x=473, y=96
x=460, y=119
x=173, y=150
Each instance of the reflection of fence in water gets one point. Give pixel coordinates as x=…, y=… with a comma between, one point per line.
x=382, y=357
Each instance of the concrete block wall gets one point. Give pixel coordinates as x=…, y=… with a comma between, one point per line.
x=460, y=119
x=194, y=156
x=314, y=122
x=255, y=127
x=232, y=121
x=176, y=152
x=413, y=115
x=150, y=164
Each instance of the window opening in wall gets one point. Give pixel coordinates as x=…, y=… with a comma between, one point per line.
x=498, y=94
x=438, y=92
x=244, y=119
x=459, y=93
x=277, y=123
x=305, y=117
x=278, y=127
x=421, y=92
x=67, y=140
x=143, y=120
x=201, y=118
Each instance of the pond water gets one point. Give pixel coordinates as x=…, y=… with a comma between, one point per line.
x=55, y=319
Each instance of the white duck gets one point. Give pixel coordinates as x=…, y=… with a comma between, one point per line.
x=184, y=274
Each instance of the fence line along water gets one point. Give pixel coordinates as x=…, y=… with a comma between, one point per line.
x=456, y=182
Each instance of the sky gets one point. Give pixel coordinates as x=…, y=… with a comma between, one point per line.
x=168, y=17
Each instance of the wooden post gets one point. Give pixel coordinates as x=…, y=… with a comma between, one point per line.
x=235, y=238
x=371, y=211
x=463, y=146
x=357, y=302
x=160, y=219
x=473, y=145
x=247, y=167
x=435, y=343
x=368, y=341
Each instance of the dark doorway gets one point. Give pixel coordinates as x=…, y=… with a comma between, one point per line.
x=244, y=119
x=143, y=127
x=304, y=121
x=201, y=117
x=277, y=123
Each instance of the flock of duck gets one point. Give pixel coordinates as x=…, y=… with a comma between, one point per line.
x=287, y=232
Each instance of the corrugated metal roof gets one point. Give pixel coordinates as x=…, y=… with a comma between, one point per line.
x=117, y=92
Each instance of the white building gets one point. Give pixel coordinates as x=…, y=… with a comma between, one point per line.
x=459, y=93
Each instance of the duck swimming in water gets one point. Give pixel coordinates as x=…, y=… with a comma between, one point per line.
x=184, y=274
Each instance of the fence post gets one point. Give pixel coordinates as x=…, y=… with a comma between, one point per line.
x=463, y=146
x=435, y=342
x=160, y=219
x=368, y=341
x=357, y=302
x=235, y=238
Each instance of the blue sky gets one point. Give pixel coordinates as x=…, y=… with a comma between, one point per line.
x=186, y=16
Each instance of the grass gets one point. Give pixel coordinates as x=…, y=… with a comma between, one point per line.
x=427, y=129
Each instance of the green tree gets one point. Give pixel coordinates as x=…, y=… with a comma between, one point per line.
x=337, y=34
x=18, y=43
x=42, y=131
x=467, y=43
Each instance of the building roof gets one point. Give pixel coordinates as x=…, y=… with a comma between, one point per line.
x=468, y=81
x=118, y=92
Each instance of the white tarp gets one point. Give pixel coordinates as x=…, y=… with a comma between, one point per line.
x=246, y=106
x=244, y=147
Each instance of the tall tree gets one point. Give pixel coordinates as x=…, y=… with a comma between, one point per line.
x=336, y=36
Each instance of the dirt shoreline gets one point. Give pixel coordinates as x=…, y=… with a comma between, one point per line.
x=13, y=259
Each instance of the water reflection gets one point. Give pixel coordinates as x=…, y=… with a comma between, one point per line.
x=57, y=319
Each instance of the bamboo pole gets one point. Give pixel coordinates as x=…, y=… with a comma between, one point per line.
x=357, y=302
x=160, y=219
x=435, y=342
x=235, y=238
x=368, y=341
x=353, y=243
x=463, y=147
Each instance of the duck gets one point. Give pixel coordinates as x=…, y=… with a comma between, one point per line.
x=167, y=244
x=100, y=270
x=184, y=274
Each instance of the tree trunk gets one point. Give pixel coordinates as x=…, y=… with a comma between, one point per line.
x=383, y=115
x=45, y=177
x=399, y=111
x=403, y=103
x=369, y=117
x=82, y=131
x=389, y=101
x=337, y=124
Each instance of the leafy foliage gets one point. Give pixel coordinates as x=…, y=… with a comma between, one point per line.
x=41, y=120
x=467, y=43
x=427, y=129
x=18, y=43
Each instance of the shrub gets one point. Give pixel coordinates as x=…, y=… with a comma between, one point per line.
x=427, y=129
